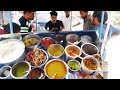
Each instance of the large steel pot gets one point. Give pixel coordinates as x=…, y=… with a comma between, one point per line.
x=9, y=52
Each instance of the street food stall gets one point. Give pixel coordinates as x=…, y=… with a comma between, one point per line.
x=51, y=55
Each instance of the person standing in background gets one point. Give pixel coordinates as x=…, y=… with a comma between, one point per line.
x=6, y=28
x=25, y=21
x=54, y=25
x=87, y=24
x=69, y=21
x=97, y=22
x=97, y=26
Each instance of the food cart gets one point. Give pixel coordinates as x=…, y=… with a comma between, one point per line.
x=59, y=66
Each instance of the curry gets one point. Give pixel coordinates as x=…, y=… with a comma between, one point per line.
x=57, y=68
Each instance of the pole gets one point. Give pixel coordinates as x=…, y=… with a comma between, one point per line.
x=101, y=25
x=104, y=39
x=71, y=22
x=36, y=21
x=10, y=22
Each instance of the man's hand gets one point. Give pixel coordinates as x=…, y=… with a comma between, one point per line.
x=61, y=28
x=89, y=16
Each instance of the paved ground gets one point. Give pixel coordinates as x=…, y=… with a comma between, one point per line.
x=113, y=57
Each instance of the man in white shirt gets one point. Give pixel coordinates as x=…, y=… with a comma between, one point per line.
x=70, y=22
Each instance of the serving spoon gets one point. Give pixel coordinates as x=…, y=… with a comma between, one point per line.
x=25, y=72
x=41, y=76
x=54, y=75
x=76, y=55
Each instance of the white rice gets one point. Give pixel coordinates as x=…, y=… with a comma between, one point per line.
x=11, y=50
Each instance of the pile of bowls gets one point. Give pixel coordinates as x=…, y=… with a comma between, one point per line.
x=85, y=53
x=52, y=59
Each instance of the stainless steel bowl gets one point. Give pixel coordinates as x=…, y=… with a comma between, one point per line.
x=41, y=73
x=20, y=63
x=21, y=57
x=6, y=72
x=58, y=47
x=85, y=69
x=73, y=39
x=31, y=60
x=16, y=36
x=86, y=39
x=29, y=36
x=89, y=49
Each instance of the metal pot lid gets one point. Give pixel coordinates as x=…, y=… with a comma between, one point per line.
x=11, y=50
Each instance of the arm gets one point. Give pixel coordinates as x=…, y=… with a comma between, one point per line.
x=114, y=30
x=46, y=26
x=61, y=26
x=77, y=24
x=89, y=17
x=77, y=20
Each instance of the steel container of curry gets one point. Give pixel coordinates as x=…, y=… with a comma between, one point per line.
x=59, y=39
x=55, y=50
x=72, y=51
x=31, y=41
x=89, y=49
x=36, y=73
x=20, y=70
x=46, y=42
x=74, y=65
x=89, y=64
x=56, y=69
x=73, y=39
